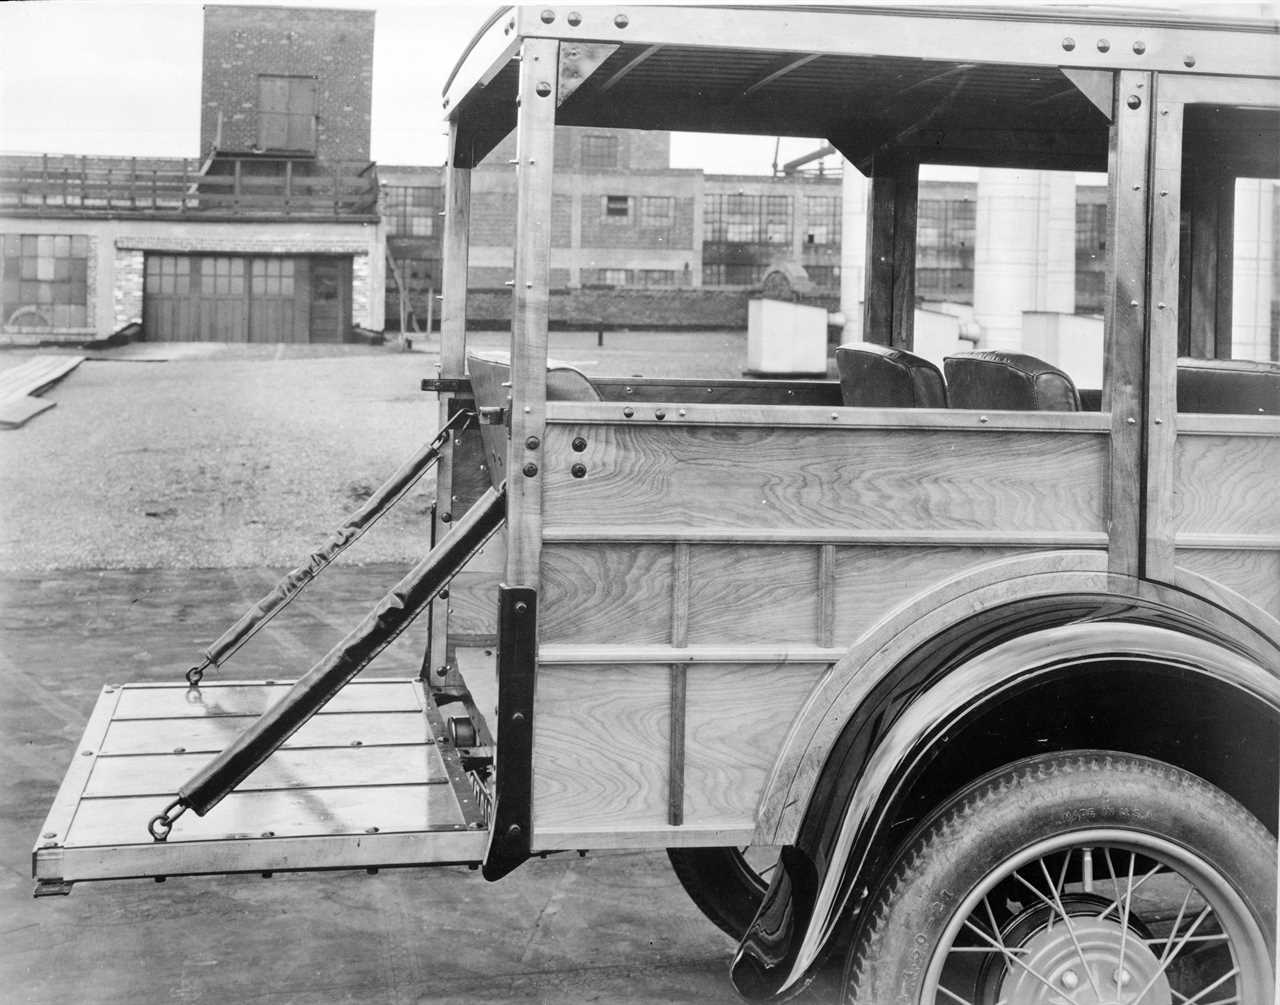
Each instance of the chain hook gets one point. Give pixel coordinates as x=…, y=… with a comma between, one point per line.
x=162, y=823
x=196, y=674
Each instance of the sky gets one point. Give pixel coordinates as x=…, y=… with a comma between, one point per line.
x=123, y=77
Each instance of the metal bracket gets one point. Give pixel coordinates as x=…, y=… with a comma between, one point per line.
x=512, y=820
x=450, y=385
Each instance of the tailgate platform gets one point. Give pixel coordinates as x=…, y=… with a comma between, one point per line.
x=370, y=781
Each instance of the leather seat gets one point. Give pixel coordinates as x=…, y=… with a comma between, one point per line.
x=490, y=374
x=1228, y=387
x=878, y=376
x=1010, y=381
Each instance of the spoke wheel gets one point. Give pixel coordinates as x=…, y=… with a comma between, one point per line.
x=1079, y=879
x=727, y=884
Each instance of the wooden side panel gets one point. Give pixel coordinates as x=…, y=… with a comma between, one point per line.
x=736, y=719
x=1254, y=574
x=1226, y=485
x=606, y=593
x=900, y=480
x=765, y=593
x=871, y=581
x=600, y=749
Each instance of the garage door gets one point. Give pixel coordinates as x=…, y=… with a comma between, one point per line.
x=226, y=298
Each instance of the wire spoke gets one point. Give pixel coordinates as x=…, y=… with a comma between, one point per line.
x=1171, y=952
x=1004, y=951
x=1205, y=990
x=953, y=996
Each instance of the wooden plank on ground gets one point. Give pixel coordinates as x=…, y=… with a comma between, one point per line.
x=15, y=412
x=18, y=385
x=35, y=375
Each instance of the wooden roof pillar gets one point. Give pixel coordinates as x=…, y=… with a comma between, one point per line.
x=891, y=250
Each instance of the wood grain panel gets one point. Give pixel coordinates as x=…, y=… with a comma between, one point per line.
x=753, y=593
x=736, y=719
x=842, y=479
x=872, y=581
x=601, y=747
x=1227, y=485
x=473, y=605
x=1252, y=574
x=611, y=593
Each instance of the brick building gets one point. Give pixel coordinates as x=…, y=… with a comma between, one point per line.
x=271, y=233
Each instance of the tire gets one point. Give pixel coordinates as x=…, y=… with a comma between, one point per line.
x=726, y=884
x=972, y=909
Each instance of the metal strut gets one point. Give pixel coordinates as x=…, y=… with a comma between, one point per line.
x=393, y=614
x=283, y=593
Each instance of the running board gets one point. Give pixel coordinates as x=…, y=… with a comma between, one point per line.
x=96, y=805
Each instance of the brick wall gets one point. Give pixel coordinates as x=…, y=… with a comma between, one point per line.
x=127, y=294
x=637, y=150
x=663, y=309
x=599, y=231
x=334, y=46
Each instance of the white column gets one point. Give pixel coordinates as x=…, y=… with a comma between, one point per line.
x=853, y=248
x=1253, y=256
x=1024, y=254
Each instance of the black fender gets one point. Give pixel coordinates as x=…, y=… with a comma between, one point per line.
x=902, y=725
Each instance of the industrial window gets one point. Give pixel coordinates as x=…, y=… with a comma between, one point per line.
x=412, y=210
x=600, y=152
x=945, y=231
x=656, y=277
x=45, y=281
x=1091, y=256
x=606, y=277
x=748, y=219
x=657, y=211
x=731, y=275
x=617, y=208
x=822, y=219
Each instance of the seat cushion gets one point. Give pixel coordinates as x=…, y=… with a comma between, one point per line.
x=1228, y=387
x=1010, y=381
x=876, y=375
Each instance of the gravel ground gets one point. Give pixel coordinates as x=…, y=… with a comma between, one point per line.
x=248, y=456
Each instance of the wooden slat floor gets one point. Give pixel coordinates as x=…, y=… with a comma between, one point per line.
x=19, y=386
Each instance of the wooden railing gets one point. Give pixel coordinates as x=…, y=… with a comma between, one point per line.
x=229, y=186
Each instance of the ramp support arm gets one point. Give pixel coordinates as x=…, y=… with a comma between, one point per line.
x=283, y=593
x=393, y=614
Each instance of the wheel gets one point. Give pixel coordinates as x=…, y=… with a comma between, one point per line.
x=1084, y=878
x=727, y=884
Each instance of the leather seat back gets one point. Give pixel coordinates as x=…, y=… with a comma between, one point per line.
x=878, y=376
x=1228, y=387
x=1008, y=381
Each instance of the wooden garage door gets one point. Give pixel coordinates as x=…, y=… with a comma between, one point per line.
x=226, y=298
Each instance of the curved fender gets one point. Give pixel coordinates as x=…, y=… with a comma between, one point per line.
x=937, y=687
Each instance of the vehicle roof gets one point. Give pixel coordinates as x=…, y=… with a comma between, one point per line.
x=1009, y=86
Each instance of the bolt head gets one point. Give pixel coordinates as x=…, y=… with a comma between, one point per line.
x=1068, y=43
x=548, y=16
x=1133, y=101
x=574, y=18
x=532, y=443
x=542, y=89
x=621, y=21
x=1069, y=980
x=530, y=469
x=1104, y=45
